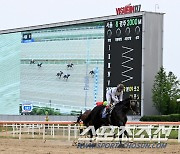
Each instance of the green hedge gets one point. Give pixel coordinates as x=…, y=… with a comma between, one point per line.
x=171, y=117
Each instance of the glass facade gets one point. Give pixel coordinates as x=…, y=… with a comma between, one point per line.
x=23, y=82
x=56, y=48
x=10, y=73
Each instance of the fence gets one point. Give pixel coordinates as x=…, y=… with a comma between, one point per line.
x=66, y=130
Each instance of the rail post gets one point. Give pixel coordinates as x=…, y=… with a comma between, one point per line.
x=69, y=132
x=179, y=134
x=13, y=127
x=44, y=129
x=20, y=132
x=6, y=129
x=28, y=129
x=39, y=128
x=63, y=131
x=133, y=132
x=75, y=131
x=53, y=130
x=150, y=132
x=32, y=130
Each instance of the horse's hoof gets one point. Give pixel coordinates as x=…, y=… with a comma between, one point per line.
x=74, y=143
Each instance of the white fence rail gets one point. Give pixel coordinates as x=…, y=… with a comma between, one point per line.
x=70, y=131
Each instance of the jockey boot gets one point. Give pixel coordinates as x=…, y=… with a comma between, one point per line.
x=109, y=118
x=108, y=111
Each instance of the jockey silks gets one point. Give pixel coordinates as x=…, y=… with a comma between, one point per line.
x=113, y=94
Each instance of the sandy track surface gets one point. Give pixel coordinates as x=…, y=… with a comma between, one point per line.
x=39, y=146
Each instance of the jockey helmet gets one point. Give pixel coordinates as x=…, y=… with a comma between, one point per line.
x=105, y=103
x=120, y=87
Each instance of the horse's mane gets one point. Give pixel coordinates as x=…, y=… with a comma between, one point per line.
x=124, y=103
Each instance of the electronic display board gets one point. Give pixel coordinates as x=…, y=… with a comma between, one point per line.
x=123, y=55
x=104, y=52
x=56, y=66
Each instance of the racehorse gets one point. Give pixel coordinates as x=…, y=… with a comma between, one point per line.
x=66, y=76
x=70, y=65
x=118, y=115
x=83, y=116
x=39, y=64
x=32, y=61
x=59, y=74
x=92, y=73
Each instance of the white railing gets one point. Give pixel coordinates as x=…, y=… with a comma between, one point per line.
x=70, y=130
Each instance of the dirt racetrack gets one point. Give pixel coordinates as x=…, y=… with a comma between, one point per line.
x=39, y=146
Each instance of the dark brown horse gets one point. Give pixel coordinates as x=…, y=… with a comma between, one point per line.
x=118, y=115
x=83, y=117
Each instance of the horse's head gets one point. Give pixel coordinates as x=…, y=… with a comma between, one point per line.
x=129, y=105
x=83, y=116
x=79, y=117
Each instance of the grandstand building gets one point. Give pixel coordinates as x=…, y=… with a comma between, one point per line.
x=68, y=66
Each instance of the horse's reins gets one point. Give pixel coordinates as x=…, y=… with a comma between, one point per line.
x=130, y=107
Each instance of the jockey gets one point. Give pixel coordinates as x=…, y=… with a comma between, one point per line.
x=113, y=96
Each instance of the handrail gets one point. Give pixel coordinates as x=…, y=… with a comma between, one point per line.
x=20, y=127
x=74, y=122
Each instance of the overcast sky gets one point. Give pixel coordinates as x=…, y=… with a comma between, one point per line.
x=24, y=13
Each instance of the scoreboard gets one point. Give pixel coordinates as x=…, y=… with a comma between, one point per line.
x=123, y=56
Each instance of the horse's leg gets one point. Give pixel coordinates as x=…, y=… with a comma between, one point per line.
x=126, y=133
x=122, y=124
x=120, y=136
x=91, y=135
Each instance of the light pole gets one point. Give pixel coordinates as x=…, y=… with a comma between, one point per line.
x=50, y=103
x=86, y=86
x=156, y=7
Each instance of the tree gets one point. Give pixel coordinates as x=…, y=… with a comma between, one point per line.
x=44, y=111
x=165, y=92
x=173, y=93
